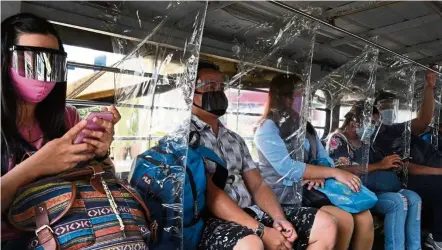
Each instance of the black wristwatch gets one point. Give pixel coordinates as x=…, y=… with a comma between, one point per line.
x=259, y=231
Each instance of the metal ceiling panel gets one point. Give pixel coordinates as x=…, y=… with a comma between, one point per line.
x=223, y=24
x=411, y=9
x=378, y=17
x=411, y=36
x=351, y=25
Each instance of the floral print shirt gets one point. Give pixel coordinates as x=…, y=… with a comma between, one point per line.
x=342, y=152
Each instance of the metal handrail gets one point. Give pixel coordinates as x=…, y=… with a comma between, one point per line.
x=305, y=14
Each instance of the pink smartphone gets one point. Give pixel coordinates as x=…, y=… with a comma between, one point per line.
x=91, y=125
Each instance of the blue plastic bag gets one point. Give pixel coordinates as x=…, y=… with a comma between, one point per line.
x=342, y=197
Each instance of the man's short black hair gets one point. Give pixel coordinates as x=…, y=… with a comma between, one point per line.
x=206, y=65
x=383, y=95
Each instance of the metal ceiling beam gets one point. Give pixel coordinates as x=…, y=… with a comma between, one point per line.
x=415, y=48
x=302, y=13
x=354, y=7
x=416, y=22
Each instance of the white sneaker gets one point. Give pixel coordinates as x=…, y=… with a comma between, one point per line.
x=430, y=243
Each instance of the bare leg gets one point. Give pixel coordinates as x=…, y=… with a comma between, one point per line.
x=324, y=232
x=364, y=231
x=345, y=226
x=249, y=242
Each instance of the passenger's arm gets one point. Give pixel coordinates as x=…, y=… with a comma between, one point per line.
x=374, y=167
x=423, y=119
x=22, y=174
x=220, y=204
x=263, y=194
x=271, y=145
x=54, y=157
x=415, y=169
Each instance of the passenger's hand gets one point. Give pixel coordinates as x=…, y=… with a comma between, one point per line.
x=431, y=79
x=391, y=162
x=316, y=183
x=349, y=179
x=104, y=139
x=274, y=240
x=287, y=229
x=60, y=154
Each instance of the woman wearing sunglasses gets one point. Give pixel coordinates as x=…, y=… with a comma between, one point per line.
x=401, y=207
x=37, y=127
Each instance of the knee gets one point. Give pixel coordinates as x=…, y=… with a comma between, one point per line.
x=249, y=242
x=399, y=201
x=325, y=229
x=344, y=219
x=412, y=197
x=364, y=221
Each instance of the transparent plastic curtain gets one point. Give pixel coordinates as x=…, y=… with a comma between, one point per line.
x=431, y=134
x=261, y=51
x=154, y=92
x=394, y=100
x=436, y=122
x=351, y=85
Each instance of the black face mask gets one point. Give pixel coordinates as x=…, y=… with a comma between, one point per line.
x=214, y=102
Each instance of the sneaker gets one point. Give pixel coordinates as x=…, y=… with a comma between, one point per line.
x=430, y=243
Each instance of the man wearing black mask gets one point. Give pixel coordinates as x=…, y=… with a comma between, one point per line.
x=247, y=214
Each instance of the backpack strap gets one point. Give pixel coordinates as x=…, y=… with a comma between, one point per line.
x=219, y=178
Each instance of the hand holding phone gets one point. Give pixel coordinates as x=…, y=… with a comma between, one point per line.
x=93, y=126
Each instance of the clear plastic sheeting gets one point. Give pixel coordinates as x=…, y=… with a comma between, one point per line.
x=261, y=51
x=433, y=134
x=436, y=122
x=154, y=92
x=394, y=100
x=349, y=91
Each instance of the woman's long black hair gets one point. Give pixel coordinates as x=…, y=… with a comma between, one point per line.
x=49, y=113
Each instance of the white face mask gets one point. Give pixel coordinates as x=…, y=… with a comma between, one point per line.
x=388, y=116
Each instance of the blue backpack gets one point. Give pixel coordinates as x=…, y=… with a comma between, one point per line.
x=158, y=177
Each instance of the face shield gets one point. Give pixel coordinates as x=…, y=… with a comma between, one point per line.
x=389, y=109
x=41, y=64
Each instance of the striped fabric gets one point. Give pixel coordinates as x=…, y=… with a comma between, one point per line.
x=90, y=223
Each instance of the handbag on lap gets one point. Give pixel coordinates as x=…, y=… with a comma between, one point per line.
x=83, y=208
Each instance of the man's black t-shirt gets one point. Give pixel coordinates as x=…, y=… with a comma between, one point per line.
x=391, y=140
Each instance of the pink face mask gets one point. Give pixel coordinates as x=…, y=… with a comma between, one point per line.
x=32, y=91
x=297, y=104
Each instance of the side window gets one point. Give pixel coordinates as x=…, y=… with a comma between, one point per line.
x=320, y=113
x=344, y=109
x=245, y=109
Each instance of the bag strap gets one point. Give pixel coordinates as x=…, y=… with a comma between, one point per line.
x=221, y=174
x=44, y=232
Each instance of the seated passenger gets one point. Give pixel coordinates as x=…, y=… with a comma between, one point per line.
x=426, y=181
x=401, y=207
x=247, y=212
x=275, y=142
x=35, y=116
x=421, y=152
